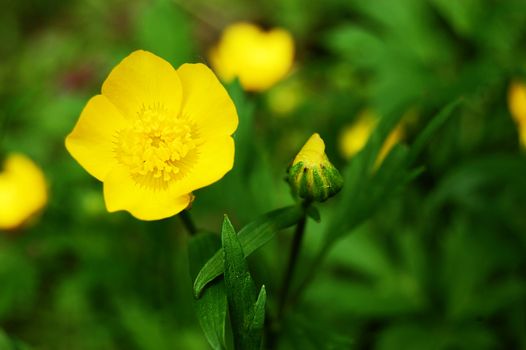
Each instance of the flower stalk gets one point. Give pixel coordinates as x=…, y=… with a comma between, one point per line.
x=188, y=222
x=293, y=260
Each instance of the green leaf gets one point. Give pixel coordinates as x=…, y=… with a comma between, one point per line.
x=311, y=332
x=436, y=122
x=369, y=193
x=19, y=294
x=356, y=44
x=211, y=307
x=258, y=320
x=463, y=16
x=251, y=237
x=10, y=344
x=367, y=189
x=246, y=314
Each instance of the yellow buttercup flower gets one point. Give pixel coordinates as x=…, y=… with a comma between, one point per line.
x=23, y=191
x=155, y=134
x=258, y=58
x=517, y=106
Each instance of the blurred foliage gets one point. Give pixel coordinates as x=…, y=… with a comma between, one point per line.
x=438, y=264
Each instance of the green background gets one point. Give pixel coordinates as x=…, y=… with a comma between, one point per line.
x=437, y=264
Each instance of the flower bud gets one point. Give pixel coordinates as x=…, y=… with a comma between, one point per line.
x=311, y=175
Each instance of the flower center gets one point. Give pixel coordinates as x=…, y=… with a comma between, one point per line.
x=158, y=147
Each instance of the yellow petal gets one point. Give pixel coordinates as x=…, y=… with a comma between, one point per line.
x=271, y=61
x=237, y=41
x=91, y=141
x=206, y=102
x=221, y=66
x=122, y=193
x=312, y=153
x=12, y=214
x=143, y=80
x=216, y=158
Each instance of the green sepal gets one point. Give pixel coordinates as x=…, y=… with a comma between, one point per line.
x=313, y=213
x=317, y=183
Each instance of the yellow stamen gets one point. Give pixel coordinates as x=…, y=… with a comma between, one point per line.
x=158, y=147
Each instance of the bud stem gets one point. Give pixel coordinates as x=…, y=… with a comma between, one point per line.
x=293, y=258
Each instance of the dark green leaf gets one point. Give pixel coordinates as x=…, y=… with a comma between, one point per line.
x=10, y=344
x=365, y=188
x=258, y=320
x=251, y=237
x=246, y=314
x=211, y=307
x=436, y=122
x=356, y=44
x=309, y=332
x=370, y=193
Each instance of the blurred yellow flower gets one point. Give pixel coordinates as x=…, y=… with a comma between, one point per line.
x=260, y=59
x=155, y=134
x=517, y=106
x=23, y=191
x=354, y=137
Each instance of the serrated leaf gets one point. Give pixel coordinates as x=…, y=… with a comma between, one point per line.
x=211, y=307
x=246, y=316
x=251, y=237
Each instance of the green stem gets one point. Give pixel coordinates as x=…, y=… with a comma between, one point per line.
x=293, y=259
x=188, y=222
x=315, y=267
